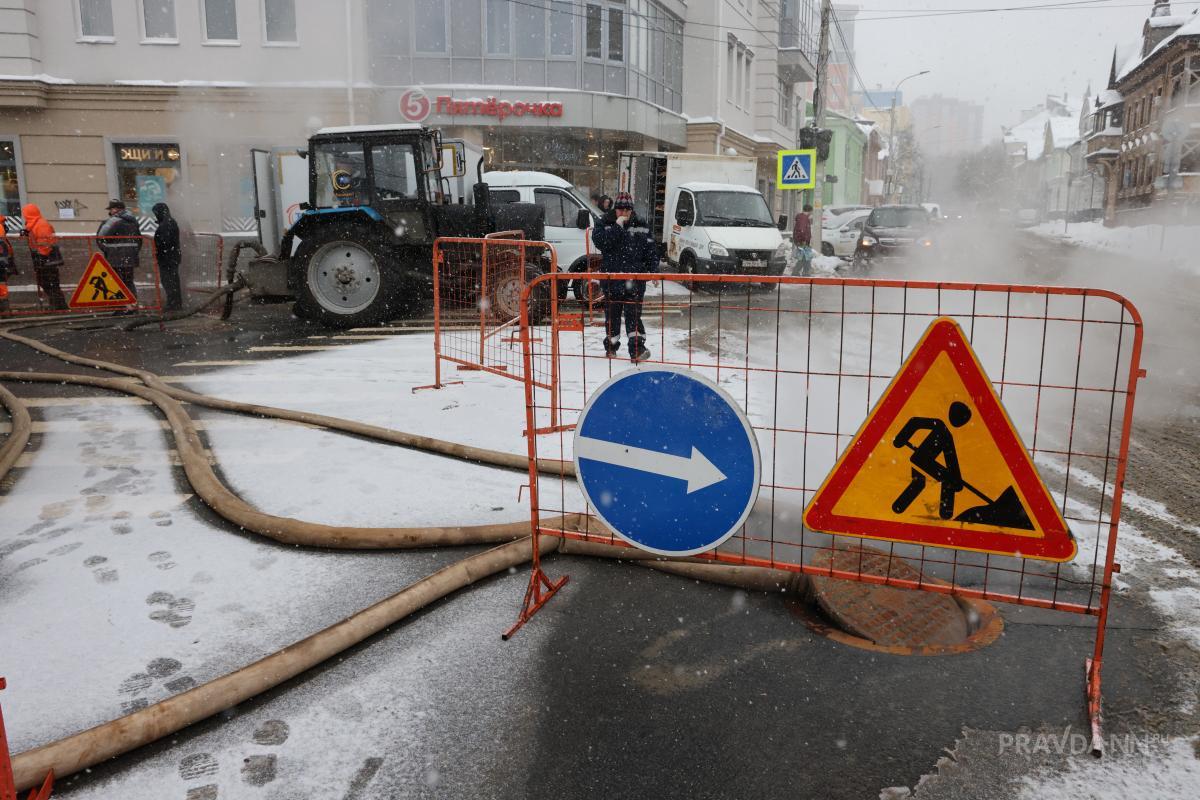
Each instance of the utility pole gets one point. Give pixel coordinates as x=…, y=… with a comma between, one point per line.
x=819, y=121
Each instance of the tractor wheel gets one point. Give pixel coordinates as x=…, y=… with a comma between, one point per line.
x=504, y=296
x=579, y=287
x=346, y=278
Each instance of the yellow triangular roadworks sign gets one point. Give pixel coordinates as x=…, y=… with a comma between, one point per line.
x=938, y=462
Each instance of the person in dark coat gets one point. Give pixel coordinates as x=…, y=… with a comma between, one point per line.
x=123, y=244
x=167, y=250
x=626, y=245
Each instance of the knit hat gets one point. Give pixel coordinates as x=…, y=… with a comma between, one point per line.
x=624, y=200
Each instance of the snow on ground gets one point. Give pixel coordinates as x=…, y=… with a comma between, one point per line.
x=1168, y=768
x=122, y=594
x=1176, y=244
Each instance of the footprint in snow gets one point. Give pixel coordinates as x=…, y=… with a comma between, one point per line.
x=101, y=573
x=174, y=611
x=162, y=560
x=134, y=688
x=258, y=769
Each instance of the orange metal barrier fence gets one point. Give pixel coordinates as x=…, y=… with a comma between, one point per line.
x=8, y=790
x=477, y=289
x=202, y=267
x=813, y=362
x=35, y=289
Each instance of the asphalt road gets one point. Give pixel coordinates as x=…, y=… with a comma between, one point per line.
x=632, y=683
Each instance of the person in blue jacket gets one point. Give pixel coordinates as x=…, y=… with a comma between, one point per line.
x=626, y=245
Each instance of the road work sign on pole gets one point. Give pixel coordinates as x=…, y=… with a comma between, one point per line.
x=101, y=287
x=667, y=459
x=938, y=462
x=796, y=169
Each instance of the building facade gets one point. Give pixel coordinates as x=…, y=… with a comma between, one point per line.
x=1146, y=131
x=947, y=125
x=165, y=99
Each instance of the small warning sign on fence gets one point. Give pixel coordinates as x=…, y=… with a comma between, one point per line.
x=939, y=462
x=101, y=287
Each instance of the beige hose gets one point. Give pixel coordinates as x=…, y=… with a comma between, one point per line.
x=429, y=444
x=110, y=739
x=15, y=443
x=94, y=745
x=282, y=529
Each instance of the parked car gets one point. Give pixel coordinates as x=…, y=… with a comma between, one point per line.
x=563, y=204
x=891, y=232
x=833, y=215
x=841, y=238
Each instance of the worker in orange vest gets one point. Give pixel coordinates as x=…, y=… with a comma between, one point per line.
x=43, y=246
x=8, y=266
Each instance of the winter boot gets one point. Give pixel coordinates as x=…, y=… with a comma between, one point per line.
x=638, y=352
x=611, y=346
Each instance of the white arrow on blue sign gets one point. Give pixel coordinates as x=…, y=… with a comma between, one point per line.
x=667, y=460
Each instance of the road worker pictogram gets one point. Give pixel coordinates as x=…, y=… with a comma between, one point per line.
x=939, y=462
x=101, y=287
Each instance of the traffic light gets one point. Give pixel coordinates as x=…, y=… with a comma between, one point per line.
x=816, y=139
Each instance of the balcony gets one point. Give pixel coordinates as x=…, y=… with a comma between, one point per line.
x=794, y=66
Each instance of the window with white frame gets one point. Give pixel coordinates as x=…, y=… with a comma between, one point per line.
x=730, y=55
x=279, y=21
x=562, y=28
x=594, y=32
x=220, y=21
x=430, y=28
x=499, y=27
x=746, y=80
x=158, y=20
x=530, y=29
x=604, y=31
x=96, y=19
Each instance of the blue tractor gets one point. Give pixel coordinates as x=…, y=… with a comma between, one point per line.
x=361, y=251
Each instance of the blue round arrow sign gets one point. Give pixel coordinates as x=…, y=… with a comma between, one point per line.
x=667, y=460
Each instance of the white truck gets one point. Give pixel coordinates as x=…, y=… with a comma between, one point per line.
x=705, y=212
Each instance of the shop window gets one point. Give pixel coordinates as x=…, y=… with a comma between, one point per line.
x=395, y=170
x=562, y=28
x=560, y=212
x=531, y=29
x=158, y=20
x=10, y=180
x=220, y=21
x=594, y=33
x=430, y=29
x=499, y=27
x=96, y=19
x=148, y=174
x=279, y=21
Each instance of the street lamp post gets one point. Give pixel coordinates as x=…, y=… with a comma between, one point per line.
x=892, y=131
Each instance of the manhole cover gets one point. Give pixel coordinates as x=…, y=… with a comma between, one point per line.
x=902, y=620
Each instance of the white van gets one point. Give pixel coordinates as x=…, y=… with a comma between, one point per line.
x=562, y=203
x=725, y=228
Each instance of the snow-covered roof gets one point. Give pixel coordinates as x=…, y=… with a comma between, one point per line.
x=1108, y=97
x=701, y=186
x=341, y=129
x=1190, y=28
x=1173, y=21
x=524, y=178
x=1064, y=131
x=1064, y=128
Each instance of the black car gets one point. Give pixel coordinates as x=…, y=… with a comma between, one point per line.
x=890, y=232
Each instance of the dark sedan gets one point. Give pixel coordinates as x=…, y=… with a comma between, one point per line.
x=890, y=232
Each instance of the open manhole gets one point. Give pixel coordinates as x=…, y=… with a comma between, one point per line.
x=887, y=618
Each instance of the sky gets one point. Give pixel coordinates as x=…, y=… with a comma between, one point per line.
x=1006, y=61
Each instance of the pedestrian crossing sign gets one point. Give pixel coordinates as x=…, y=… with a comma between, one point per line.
x=101, y=287
x=795, y=169
x=938, y=462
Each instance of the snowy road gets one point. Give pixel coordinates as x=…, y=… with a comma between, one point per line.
x=132, y=591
